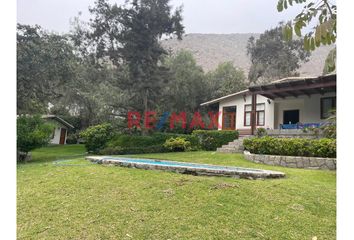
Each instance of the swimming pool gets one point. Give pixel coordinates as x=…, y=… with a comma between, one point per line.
x=187, y=168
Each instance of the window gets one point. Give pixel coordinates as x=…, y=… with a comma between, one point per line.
x=327, y=104
x=260, y=114
x=248, y=111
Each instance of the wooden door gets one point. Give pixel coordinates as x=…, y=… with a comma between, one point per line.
x=229, y=118
x=62, y=136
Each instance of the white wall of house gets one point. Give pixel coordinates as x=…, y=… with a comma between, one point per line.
x=309, y=108
x=240, y=101
x=56, y=136
x=57, y=132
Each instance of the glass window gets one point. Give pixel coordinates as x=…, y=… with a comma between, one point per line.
x=248, y=119
x=327, y=105
x=260, y=114
x=260, y=118
x=248, y=108
x=260, y=107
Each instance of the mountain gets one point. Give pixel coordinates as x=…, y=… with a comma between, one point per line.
x=211, y=49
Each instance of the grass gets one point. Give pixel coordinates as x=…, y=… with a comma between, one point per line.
x=100, y=202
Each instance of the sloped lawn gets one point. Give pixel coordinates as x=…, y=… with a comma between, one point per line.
x=99, y=202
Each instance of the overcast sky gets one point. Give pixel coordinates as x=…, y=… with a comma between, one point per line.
x=200, y=16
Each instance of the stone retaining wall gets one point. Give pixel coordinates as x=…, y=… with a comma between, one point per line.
x=187, y=168
x=290, y=133
x=292, y=161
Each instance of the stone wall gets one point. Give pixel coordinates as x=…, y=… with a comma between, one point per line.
x=291, y=133
x=292, y=161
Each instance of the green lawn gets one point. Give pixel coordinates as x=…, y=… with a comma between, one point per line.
x=100, y=202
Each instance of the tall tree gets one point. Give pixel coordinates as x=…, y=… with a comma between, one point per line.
x=130, y=35
x=272, y=57
x=45, y=63
x=86, y=97
x=226, y=79
x=185, y=89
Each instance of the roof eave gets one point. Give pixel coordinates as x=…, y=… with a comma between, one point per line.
x=224, y=97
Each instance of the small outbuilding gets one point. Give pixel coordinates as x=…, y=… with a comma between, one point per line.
x=60, y=131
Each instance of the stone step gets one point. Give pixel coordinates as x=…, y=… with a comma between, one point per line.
x=232, y=147
x=227, y=147
x=227, y=150
x=235, y=146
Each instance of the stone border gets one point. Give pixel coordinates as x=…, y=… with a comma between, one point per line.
x=201, y=170
x=293, y=161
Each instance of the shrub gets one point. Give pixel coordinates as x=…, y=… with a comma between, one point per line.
x=117, y=150
x=72, y=138
x=194, y=141
x=133, y=141
x=133, y=144
x=178, y=144
x=261, y=132
x=329, y=128
x=97, y=137
x=314, y=131
x=212, y=139
x=292, y=146
x=32, y=132
x=330, y=131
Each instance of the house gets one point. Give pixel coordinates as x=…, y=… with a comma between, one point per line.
x=60, y=131
x=289, y=103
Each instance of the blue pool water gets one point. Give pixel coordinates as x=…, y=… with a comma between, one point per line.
x=186, y=168
x=179, y=164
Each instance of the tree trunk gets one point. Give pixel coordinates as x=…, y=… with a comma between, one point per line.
x=23, y=156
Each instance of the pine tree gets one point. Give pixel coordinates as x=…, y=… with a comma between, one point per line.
x=130, y=35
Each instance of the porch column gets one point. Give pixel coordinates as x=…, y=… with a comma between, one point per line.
x=253, y=114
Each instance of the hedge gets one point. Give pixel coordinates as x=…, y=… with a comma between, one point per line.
x=149, y=140
x=324, y=147
x=117, y=150
x=134, y=144
x=210, y=140
x=199, y=139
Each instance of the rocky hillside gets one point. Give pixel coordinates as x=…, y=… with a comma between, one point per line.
x=212, y=49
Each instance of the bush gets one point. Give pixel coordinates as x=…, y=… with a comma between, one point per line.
x=117, y=150
x=261, y=132
x=32, y=132
x=330, y=131
x=194, y=141
x=178, y=144
x=97, y=137
x=329, y=128
x=149, y=140
x=72, y=138
x=210, y=140
x=292, y=146
x=133, y=144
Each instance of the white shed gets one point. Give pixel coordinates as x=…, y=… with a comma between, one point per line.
x=60, y=131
